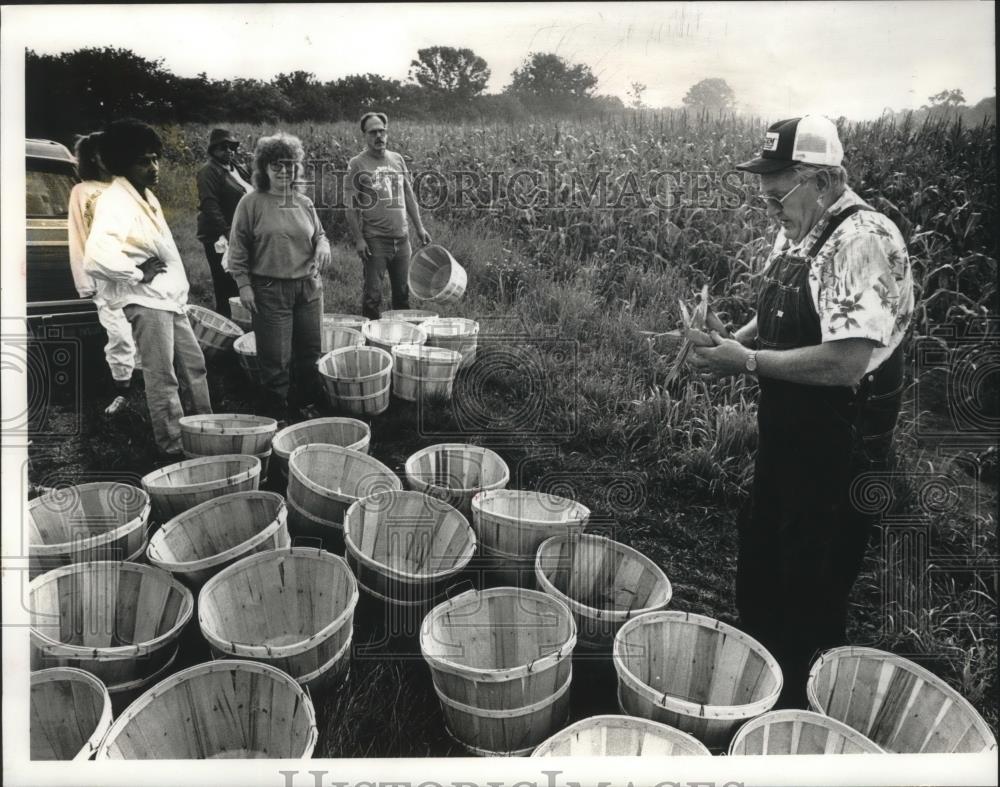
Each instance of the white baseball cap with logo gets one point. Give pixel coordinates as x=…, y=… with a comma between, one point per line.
x=810, y=139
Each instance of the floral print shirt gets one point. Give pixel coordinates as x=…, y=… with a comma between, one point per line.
x=860, y=281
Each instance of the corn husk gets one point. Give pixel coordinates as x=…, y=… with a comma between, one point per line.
x=692, y=321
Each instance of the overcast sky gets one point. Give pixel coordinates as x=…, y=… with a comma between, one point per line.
x=781, y=58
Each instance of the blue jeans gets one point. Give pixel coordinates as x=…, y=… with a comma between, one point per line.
x=287, y=329
x=392, y=255
x=172, y=366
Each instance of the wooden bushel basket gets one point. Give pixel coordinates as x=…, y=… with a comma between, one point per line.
x=604, y=583
x=290, y=608
x=345, y=432
x=323, y=482
x=202, y=541
x=511, y=524
x=246, y=353
x=240, y=314
x=214, y=332
x=357, y=380
x=354, y=321
x=454, y=333
x=897, y=704
x=436, y=276
x=799, y=732
x=336, y=336
x=70, y=714
x=404, y=548
x=501, y=665
x=412, y=316
x=176, y=488
x=419, y=371
x=105, y=520
x=692, y=672
x=226, y=433
x=456, y=472
x=620, y=736
x=218, y=710
x=386, y=334
x=119, y=621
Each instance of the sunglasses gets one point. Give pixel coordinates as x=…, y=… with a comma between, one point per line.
x=282, y=166
x=778, y=203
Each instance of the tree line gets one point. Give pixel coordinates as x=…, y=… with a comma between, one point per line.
x=87, y=88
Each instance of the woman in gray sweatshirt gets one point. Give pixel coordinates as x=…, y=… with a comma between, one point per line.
x=277, y=252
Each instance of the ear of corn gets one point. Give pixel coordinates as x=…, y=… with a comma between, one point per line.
x=691, y=322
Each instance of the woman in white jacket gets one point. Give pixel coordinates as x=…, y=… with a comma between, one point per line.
x=120, y=351
x=132, y=248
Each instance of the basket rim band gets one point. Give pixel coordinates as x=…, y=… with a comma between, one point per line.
x=202, y=424
x=498, y=675
x=582, y=512
x=204, y=486
x=321, y=670
x=185, y=567
x=104, y=721
x=177, y=678
x=687, y=707
x=56, y=648
x=357, y=445
x=506, y=713
x=407, y=576
x=325, y=523
x=366, y=460
x=584, y=609
x=99, y=540
x=239, y=649
x=622, y=721
x=787, y=715
x=900, y=662
x=596, y=613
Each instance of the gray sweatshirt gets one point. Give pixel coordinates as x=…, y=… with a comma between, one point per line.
x=275, y=236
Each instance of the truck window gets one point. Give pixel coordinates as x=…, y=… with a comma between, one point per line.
x=48, y=193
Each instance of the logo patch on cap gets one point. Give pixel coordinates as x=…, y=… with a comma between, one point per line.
x=770, y=141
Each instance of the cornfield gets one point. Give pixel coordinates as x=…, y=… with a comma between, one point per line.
x=585, y=234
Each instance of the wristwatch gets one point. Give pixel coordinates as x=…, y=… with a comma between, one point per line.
x=751, y=363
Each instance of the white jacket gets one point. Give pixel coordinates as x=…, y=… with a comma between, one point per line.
x=128, y=230
x=80, y=216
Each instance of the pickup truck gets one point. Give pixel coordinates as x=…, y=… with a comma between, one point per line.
x=52, y=299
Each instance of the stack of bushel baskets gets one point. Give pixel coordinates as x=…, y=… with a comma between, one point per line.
x=198, y=616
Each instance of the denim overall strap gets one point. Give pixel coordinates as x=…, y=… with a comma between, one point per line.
x=786, y=314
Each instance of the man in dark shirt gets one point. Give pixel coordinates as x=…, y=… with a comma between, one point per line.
x=222, y=182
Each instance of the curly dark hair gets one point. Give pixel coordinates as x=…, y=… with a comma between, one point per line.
x=125, y=141
x=86, y=151
x=272, y=149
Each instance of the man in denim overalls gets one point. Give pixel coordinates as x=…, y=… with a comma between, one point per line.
x=833, y=305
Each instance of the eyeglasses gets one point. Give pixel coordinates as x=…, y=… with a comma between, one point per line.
x=282, y=166
x=778, y=203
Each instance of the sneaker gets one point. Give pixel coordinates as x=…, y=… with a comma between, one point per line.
x=118, y=404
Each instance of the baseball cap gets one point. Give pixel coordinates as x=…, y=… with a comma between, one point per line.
x=810, y=139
